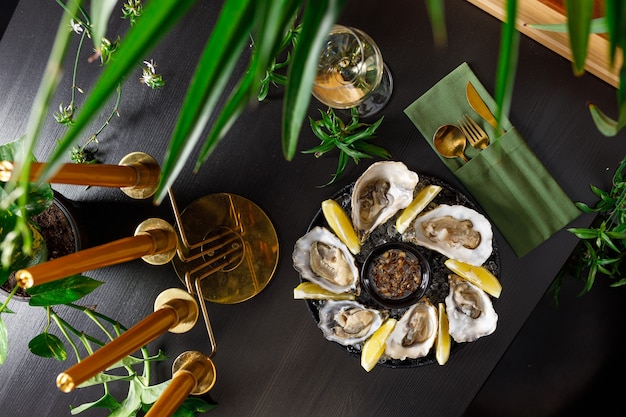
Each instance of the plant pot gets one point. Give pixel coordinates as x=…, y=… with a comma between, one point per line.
x=60, y=229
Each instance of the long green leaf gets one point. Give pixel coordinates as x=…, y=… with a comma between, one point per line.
x=318, y=19
x=212, y=73
x=579, y=16
x=507, y=62
x=279, y=18
x=100, y=14
x=436, y=14
x=616, y=20
x=158, y=17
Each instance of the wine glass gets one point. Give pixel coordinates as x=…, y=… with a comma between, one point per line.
x=351, y=73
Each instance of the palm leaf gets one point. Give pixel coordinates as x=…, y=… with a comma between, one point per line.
x=507, y=62
x=318, y=19
x=217, y=62
x=579, y=16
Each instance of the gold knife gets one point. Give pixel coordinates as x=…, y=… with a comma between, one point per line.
x=480, y=107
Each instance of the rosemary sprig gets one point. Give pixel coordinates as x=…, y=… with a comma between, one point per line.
x=603, y=245
x=351, y=139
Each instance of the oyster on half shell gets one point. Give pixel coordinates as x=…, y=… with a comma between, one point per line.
x=348, y=322
x=380, y=192
x=414, y=333
x=470, y=311
x=457, y=232
x=320, y=257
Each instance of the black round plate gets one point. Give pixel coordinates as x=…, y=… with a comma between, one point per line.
x=438, y=288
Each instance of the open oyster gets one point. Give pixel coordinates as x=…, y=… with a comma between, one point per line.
x=457, y=232
x=348, y=322
x=470, y=311
x=383, y=189
x=414, y=333
x=320, y=257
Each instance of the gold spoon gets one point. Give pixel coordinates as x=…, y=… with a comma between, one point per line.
x=450, y=142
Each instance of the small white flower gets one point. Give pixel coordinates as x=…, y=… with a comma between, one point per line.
x=76, y=26
x=151, y=66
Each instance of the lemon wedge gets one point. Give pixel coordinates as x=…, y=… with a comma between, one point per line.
x=312, y=291
x=421, y=200
x=341, y=224
x=374, y=347
x=477, y=275
x=442, y=345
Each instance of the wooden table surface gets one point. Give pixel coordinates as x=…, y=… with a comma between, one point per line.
x=271, y=358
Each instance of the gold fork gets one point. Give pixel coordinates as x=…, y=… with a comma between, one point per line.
x=475, y=135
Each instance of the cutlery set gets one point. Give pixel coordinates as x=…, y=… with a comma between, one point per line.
x=450, y=140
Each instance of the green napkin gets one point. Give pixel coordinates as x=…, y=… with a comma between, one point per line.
x=507, y=179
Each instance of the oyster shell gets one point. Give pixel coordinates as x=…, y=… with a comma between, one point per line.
x=380, y=192
x=320, y=257
x=470, y=311
x=414, y=333
x=457, y=232
x=348, y=322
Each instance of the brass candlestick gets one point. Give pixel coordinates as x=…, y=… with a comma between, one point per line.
x=137, y=174
x=174, y=310
x=193, y=373
x=154, y=241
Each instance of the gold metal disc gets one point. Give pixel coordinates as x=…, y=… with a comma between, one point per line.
x=197, y=363
x=253, y=270
x=151, y=165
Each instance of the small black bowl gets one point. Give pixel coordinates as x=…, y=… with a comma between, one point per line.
x=376, y=280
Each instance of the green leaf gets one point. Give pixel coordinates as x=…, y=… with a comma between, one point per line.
x=48, y=345
x=100, y=14
x=579, y=16
x=599, y=25
x=191, y=406
x=436, y=14
x=606, y=125
x=616, y=22
x=103, y=378
x=132, y=403
x=218, y=59
x=507, y=62
x=318, y=19
x=62, y=291
x=157, y=18
x=4, y=341
x=106, y=401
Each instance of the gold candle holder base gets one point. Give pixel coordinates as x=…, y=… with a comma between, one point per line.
x=149, y=172
x=228, y=240
x=169, y=239
x=201, y=366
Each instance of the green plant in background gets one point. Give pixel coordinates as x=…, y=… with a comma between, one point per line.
x=266, y=21
x=602, y=246
x=275, y=73
x=62, y=294
x=350, y=139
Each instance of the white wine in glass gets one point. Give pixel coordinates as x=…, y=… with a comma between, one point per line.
x=351, y=73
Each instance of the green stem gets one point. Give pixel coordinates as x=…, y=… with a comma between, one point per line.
x=4, y=305
x=96, y=314
x=92, y=316
x=74, y=87
x=61, y=324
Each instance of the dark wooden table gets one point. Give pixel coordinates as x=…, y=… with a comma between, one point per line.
x=271, y=358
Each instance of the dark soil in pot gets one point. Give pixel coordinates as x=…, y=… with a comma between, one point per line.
x=60, y=232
